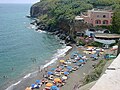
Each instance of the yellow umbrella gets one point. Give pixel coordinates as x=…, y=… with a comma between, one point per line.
x=49, y=84
x=28, y=88
x=57, y=80
x=62, y=61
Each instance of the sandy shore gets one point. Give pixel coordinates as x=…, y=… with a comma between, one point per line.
x=75, y=79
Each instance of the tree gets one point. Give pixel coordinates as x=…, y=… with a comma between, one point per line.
x=116, y=21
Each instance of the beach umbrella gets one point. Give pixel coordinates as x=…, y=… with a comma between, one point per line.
x=69, y=67
x=81, y=61
x=57, y=80
x=49, y=72
x=49, y=84
x=53, y=88
x=32, y=85
x=64, y=77
x=62, y=61
x=66, y=73
x=38, y=81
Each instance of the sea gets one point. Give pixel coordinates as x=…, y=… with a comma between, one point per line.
x=22, y=49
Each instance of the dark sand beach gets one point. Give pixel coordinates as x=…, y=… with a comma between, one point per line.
x=75, y=78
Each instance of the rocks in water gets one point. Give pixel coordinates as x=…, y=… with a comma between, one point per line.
x=62, y=34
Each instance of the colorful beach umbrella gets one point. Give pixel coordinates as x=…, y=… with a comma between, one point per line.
x=49, y=84
x=32, y=85
x=66, y=73
x=57, y=80
x=62, y=61
x=54, y=88
x=69, y=67
x=81, y=61
x=49, y=72
x=64, y=77
x=38, y=81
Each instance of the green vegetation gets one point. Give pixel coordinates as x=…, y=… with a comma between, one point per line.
x=56, y=12
x=116, y=22
x=59, y=10
x=96, y=73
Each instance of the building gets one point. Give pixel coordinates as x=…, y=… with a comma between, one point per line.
x=90, y=32
x=106, y=39
x=98, y=17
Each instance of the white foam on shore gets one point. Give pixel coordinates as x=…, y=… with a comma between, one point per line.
x=28, y=75
x=60, y=53
x=41, y=31
x=12, y=86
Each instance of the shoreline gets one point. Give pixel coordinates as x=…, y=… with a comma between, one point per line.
x=72, y=83
x=33, y=75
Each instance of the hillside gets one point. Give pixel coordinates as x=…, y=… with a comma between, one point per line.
x=60, y=14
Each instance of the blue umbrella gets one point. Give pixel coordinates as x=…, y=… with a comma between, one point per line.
x=66, y=73
x=33, y=85
x=69, y=67
x=81, y=61
x=38, y=81
x=49, y=72
x=54, y=88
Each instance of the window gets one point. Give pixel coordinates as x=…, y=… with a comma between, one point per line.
x=105, y=22
x=104, y=16
x=97, y=21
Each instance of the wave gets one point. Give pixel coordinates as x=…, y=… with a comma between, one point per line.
x=41, y=31
x=60, y=53
x=12, y=86
x=35, y=27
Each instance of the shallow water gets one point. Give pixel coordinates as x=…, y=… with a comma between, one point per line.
x=22, y=50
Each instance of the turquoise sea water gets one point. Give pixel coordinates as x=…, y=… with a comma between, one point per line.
x=18, y=44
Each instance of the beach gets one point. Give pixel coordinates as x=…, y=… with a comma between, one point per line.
x=75, y=79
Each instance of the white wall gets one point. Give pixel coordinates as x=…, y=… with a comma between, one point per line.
x=104, y=41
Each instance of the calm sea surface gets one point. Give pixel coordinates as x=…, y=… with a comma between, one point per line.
x=20, y=45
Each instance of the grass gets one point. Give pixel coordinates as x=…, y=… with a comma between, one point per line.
x=96, y=73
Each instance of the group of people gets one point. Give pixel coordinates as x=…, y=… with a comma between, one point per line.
x=58, y=76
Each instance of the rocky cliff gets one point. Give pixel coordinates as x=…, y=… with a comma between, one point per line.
x=37, y=10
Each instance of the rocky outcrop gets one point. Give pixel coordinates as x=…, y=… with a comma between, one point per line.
x=37, y=10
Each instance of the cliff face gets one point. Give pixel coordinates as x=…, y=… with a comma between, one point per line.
x=36, y=11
